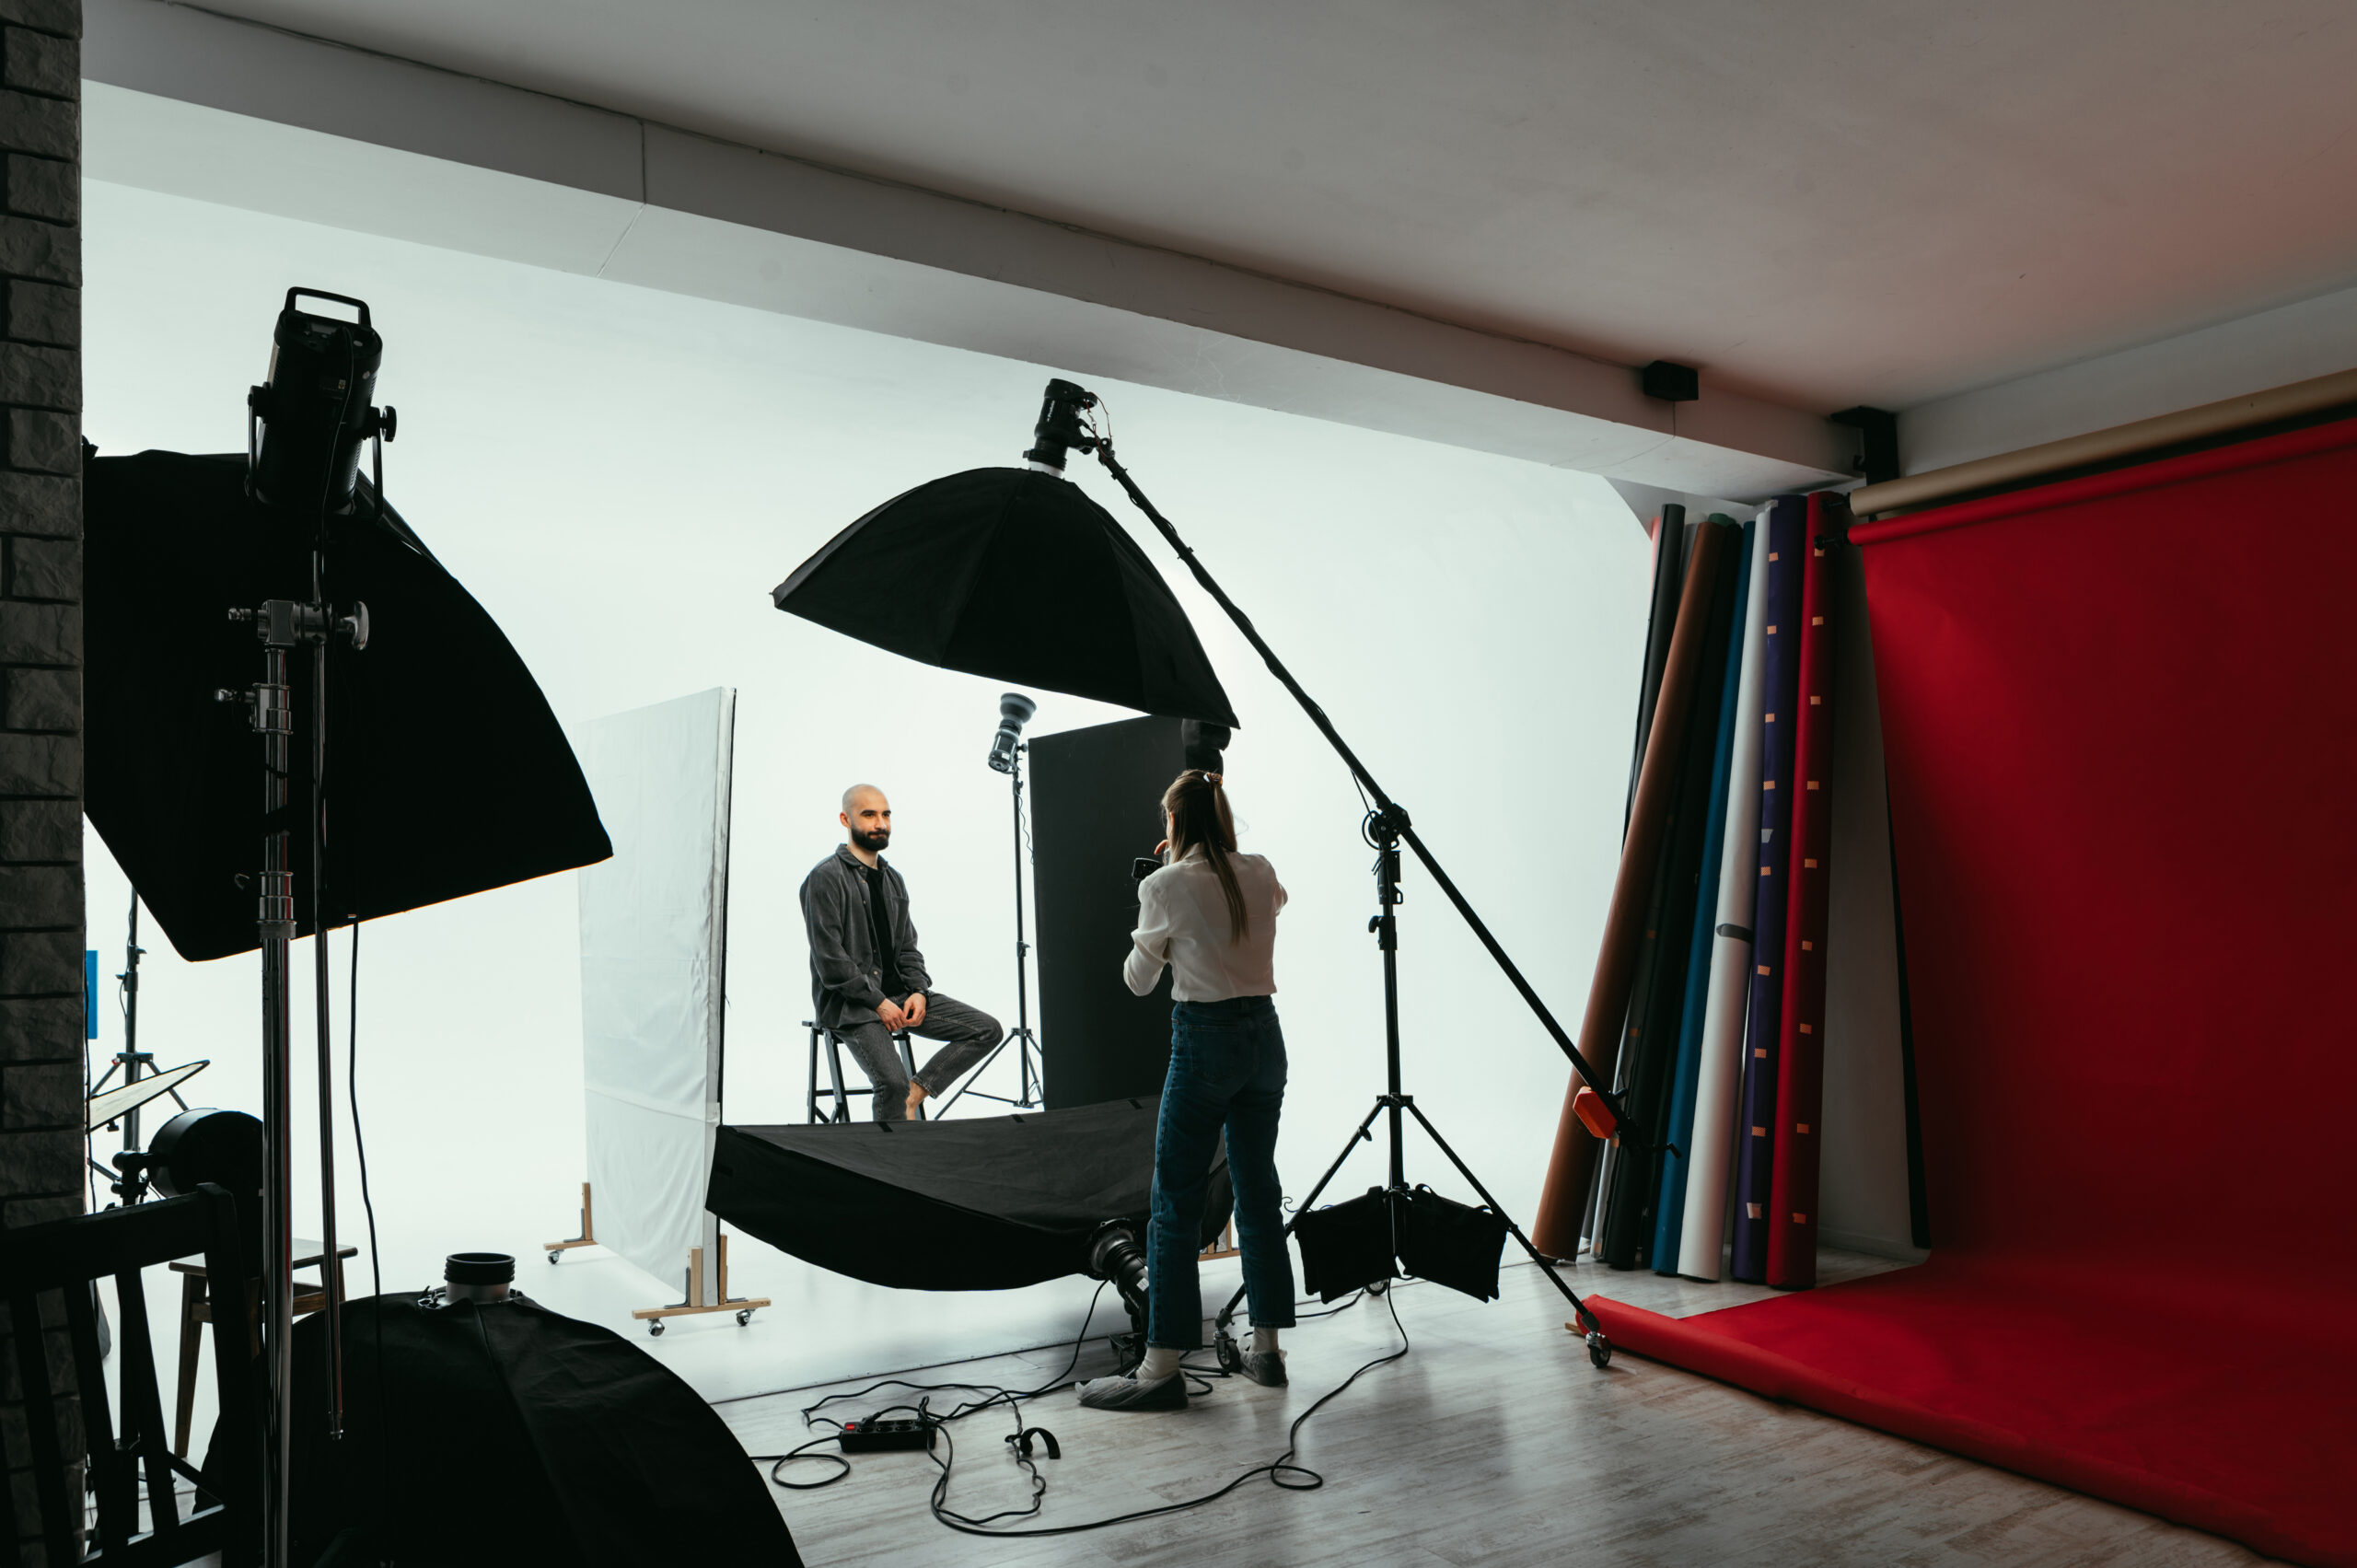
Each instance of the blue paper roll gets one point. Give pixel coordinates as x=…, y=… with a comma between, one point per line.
x=1669, y=1208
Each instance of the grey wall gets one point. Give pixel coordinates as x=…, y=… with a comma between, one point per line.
x=40, y=652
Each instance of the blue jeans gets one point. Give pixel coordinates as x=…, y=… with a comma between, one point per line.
x=1227, y=1070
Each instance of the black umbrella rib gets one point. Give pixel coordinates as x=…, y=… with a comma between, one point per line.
x=1384, y=803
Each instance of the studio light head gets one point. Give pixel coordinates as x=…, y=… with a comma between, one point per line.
x=1059, y=430
x=1014, y=711
x=306, y=422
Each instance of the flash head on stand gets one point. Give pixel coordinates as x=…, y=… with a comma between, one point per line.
x=1059, y=430
x=1014, y=711
x=306, y=423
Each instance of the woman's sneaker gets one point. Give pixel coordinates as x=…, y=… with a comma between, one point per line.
x=1128, y=1393
x=1266, y=1368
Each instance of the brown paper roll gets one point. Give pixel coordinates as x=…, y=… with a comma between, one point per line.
x=1557, y=1230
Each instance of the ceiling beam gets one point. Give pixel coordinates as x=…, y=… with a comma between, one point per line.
x=196, y=104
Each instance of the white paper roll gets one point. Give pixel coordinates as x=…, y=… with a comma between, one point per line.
x=1720, y=1075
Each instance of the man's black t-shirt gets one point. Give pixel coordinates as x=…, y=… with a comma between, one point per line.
x=880, y=931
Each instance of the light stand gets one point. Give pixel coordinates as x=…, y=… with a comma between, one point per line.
x=301, y=455
x=1387, y=826
x=127, y=1178
x=1006, y=757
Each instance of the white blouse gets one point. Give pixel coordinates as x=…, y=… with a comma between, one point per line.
x=1182, y=921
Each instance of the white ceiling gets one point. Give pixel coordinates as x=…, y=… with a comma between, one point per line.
x=1820, y=202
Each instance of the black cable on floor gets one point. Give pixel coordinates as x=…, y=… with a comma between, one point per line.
x=360, y=1148
x=1021, y=1440
x=1277, y=1469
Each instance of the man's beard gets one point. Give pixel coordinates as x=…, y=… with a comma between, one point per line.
x=873, y=842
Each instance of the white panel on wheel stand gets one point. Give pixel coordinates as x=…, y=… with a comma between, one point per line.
x=654, y=944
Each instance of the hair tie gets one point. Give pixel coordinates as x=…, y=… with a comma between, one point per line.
x=1211, y=778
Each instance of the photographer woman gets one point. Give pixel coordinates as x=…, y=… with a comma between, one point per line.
x=1211, y=914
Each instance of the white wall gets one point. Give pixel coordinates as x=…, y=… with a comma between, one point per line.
x=620, y=476
x=2250, y=353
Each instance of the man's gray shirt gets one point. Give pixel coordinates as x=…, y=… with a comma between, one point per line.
x=845, y=971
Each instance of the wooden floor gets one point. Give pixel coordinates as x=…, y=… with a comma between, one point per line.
x=1493, y=1442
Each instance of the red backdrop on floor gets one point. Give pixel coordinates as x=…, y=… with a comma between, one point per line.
x=2119, y=716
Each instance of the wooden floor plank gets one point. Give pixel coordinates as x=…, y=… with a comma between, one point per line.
x=1492, y=1443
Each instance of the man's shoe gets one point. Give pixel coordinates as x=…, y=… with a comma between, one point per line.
x=1128, y=1393
x=1265, y=1367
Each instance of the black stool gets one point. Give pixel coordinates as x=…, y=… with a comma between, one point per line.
x=835, y=1071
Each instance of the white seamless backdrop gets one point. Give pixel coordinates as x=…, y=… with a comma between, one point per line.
x=620, y=476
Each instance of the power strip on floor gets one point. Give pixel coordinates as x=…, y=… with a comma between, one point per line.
x=875, y=1436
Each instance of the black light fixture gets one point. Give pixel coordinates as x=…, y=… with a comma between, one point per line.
x=1016, y=512
x=1014, y=711
x=307, y=420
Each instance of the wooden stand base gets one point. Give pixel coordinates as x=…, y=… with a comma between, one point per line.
x=695, y=1304
x=587, y=1238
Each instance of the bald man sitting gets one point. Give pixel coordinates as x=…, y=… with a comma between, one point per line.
x=867, y=979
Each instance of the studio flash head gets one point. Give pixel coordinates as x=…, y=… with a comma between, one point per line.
x=307, y=420
x=1060, y=429
x=1014, y=711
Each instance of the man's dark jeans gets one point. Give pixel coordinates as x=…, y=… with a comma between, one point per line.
x=1227, y=1070
x=970, y=1031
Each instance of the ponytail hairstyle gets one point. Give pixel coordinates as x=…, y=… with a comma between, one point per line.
x=1196, y=804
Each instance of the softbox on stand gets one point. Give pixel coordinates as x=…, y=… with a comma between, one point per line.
x=1016, y=574
x=448, y=773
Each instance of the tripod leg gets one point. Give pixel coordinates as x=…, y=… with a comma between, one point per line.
x=1599, y=1349
x=1227, y=1313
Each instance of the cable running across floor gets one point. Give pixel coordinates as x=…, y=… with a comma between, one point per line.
x=1284, y=1471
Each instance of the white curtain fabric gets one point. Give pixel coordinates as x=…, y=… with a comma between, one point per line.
x=653, y=945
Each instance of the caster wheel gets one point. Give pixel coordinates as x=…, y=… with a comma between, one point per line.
x=1600, y=1350
x=1231, y=1359
x=745, y=1316
x=553, y=1259
x=655, y=1329
x=1377, y=1287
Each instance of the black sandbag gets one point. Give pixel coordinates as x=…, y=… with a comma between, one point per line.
x=508, y=1434
x=1657, y=1009
x=1452, y=1244
x=976, y=1203
x=1345, y=1245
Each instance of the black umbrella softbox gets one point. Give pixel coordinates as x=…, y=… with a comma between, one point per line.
x=1018, y=576
x=447, y=773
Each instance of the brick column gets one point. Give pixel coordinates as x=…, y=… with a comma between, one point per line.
x=42, y=1038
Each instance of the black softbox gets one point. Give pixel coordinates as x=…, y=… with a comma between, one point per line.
x=976, y=1203
x=1016, y=574
x=505, y=1433
x=447, y=774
